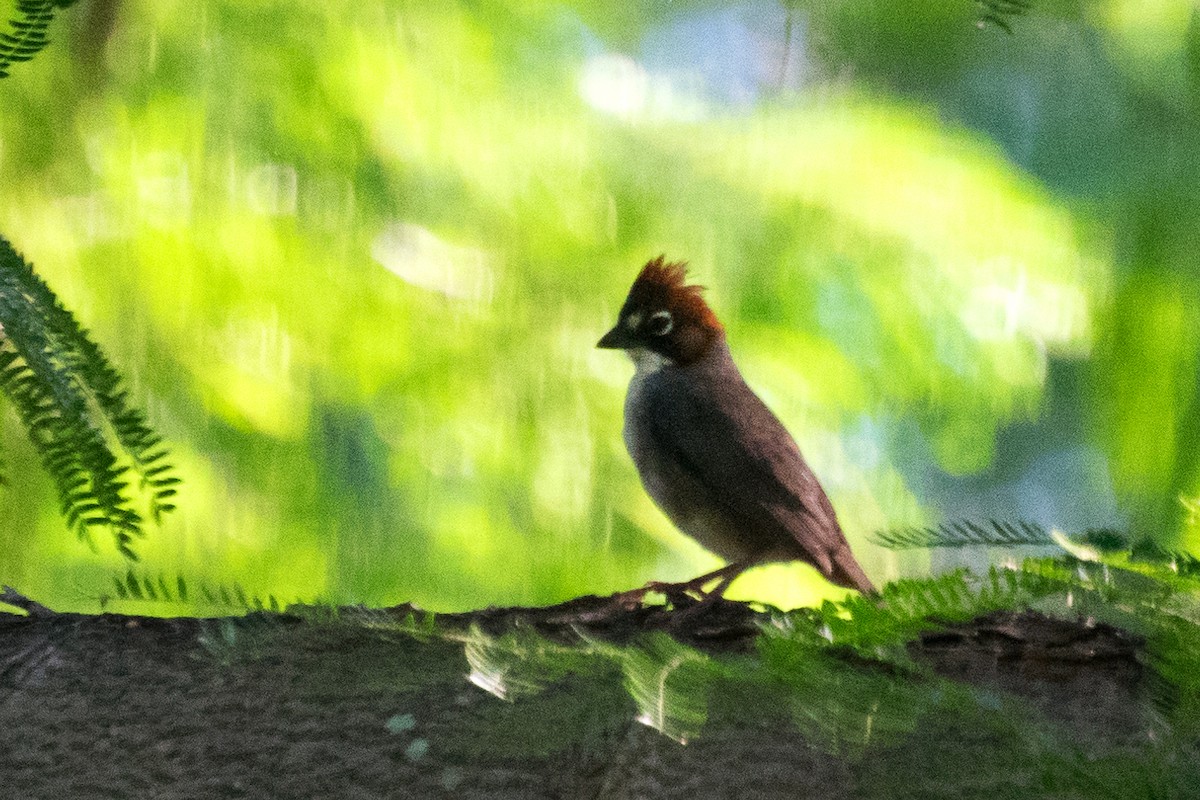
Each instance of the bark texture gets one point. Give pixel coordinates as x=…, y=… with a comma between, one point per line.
x=292, y=706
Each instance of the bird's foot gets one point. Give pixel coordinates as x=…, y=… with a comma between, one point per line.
x=680, y=595
x=684, y=594
x=631, y=599
x=691, y=593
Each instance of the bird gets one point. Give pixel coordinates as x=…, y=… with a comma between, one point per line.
x=709, y=452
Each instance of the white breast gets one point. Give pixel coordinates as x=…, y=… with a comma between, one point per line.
x=647, y=362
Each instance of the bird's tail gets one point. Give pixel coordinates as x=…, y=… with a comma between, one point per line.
x=845, y=571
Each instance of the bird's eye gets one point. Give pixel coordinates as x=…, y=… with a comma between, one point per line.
x=661, y=323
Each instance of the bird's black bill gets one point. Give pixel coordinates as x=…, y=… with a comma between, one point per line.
x=616, y=339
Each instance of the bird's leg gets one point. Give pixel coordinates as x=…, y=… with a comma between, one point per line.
x=728, y=575
x=725, y=573
x=677, y=593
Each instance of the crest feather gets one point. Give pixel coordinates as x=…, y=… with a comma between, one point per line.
x=664, y=275
x=663, y=284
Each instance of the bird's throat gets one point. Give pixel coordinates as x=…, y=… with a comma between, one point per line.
x=646, y=361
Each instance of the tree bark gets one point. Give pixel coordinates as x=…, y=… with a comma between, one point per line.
x=374, y=703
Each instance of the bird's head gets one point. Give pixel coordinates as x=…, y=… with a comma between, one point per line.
x=664, y=318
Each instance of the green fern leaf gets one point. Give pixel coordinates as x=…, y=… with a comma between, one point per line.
x=76, y=412
x=966, y=533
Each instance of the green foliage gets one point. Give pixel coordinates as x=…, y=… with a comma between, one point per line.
x=28, y=31
x=909, y=226
x=1000, y=12
x=198, y=595
x=965, y=533
x=76, y=411
x=1002, y=533
x=1158, y=598
x=887, y=693
x=879, y=628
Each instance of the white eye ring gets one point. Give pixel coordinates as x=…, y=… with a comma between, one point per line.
x=661, y=323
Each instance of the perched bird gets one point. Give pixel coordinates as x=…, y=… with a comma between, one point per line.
x=710, y=453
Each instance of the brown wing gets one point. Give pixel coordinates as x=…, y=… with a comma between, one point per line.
x=730, y=443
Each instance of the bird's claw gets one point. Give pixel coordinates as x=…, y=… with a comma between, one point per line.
x=679, y=595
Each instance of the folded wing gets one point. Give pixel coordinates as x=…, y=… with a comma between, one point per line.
x=731, y=444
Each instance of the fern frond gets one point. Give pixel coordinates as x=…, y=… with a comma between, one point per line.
x=75, y=410
x=999, y=13
x=965, y=533
x=882, y=627
x=27, y=34
x=1113, y=548
x=140, y=585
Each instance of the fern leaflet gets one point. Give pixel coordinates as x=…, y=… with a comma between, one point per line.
x=75, y=410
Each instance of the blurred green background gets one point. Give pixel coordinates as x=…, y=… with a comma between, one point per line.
x=354, y=257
